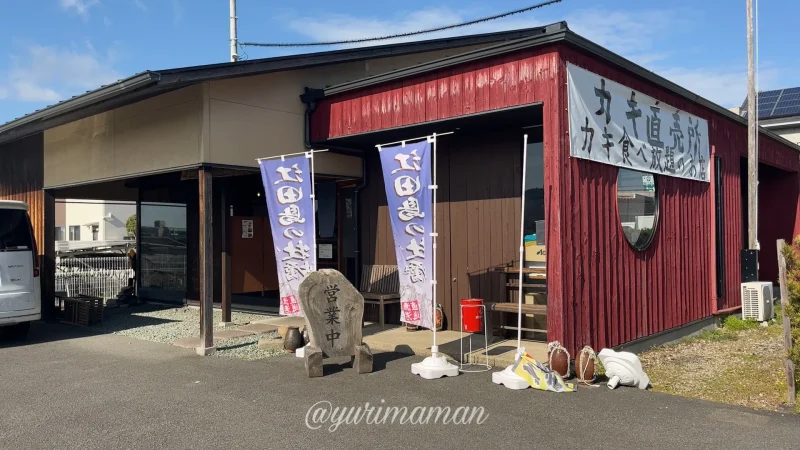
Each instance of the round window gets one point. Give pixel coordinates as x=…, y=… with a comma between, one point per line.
x=637, y=202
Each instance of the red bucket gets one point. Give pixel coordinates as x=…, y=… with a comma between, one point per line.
x=472, y=315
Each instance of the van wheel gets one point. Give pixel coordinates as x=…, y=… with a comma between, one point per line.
x=16, y=332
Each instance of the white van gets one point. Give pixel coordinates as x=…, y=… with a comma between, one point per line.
x=20, y=288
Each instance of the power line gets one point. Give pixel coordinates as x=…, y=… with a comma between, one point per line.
x=400, y=35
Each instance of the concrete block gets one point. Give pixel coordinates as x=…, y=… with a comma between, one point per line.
x=313, y=360
x=259, y=328
x=363, y=359
x=231, y=334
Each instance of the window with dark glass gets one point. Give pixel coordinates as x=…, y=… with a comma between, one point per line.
x=535, y=250
x=74, y=233
x=637, y=202
x=15, y=230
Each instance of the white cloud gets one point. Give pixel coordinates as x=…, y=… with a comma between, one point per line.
x=640, y=36
x=29, y=91
x=140, y=4
x=80, y=7
x=177, y=11
x=107, y=21
x=338, y=27
x=49, y=74
x=726, y=86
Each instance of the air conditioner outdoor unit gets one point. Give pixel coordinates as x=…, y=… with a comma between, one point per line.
x=757, y=300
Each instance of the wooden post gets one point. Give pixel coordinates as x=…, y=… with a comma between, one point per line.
x=226, y=260
x=206, y=262
x=48, y=256
x=752, y=138
x=787, y=326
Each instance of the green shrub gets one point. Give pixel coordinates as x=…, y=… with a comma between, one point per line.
x=792, y=255
x=734, y=323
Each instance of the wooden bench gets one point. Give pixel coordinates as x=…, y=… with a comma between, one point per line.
x=380, y=285
x=507, y=307
x=534, y=281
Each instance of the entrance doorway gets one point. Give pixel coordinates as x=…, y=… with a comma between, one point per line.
x=253, y=269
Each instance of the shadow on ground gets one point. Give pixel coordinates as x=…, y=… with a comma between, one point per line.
x=379, y=362
x=114, y=320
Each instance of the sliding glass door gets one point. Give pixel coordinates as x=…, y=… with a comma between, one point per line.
x=163, y=242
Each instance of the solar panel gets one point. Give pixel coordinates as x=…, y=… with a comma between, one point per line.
x=787, y=110
x=788, y=103
x=788, y=98
x=779, y=102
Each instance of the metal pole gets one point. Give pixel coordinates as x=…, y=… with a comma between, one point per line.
x=404, y=141
x=289, y=154
x=234, y=38
x=435, y=188
x=310, y=155
x=752, y=136
x=521, y=242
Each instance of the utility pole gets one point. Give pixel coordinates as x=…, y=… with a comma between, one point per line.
x=752, y=137
x=234, y=38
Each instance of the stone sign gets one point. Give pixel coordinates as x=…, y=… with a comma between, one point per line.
x=334, y=313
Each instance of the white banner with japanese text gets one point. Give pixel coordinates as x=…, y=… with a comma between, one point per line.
x=613, y=124
x=287, y=185
x=407, y=178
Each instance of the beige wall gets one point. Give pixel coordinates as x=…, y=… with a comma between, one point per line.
x=790, y=134
x=232, y=121
x=150, y=135
x=262, y=115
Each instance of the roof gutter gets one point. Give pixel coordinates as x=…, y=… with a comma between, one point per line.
x=550, y=34
x=310, y=98
x=75, y=103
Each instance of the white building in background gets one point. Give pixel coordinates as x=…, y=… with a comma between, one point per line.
x=92, y=220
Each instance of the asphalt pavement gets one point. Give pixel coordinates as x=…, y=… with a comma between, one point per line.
x=66, y=389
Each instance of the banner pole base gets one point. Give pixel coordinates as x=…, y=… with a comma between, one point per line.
x=509, y=379
x=434, y=367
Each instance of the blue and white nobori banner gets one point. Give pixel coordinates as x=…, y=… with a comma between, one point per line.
x=407, y=177
x=287, y=185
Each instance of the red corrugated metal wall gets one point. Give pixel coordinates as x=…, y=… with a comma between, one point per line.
x=777, y=201
x=523, y=78
x=600, y=291
x=471, y=88
x=614, y=294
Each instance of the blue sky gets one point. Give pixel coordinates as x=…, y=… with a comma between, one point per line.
x=52, y=49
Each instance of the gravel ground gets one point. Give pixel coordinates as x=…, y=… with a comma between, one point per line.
x=164, y=324
x=247, y=347
x=740, y=367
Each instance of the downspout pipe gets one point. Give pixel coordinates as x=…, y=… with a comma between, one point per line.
x=356, y=193
x=310, y=97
